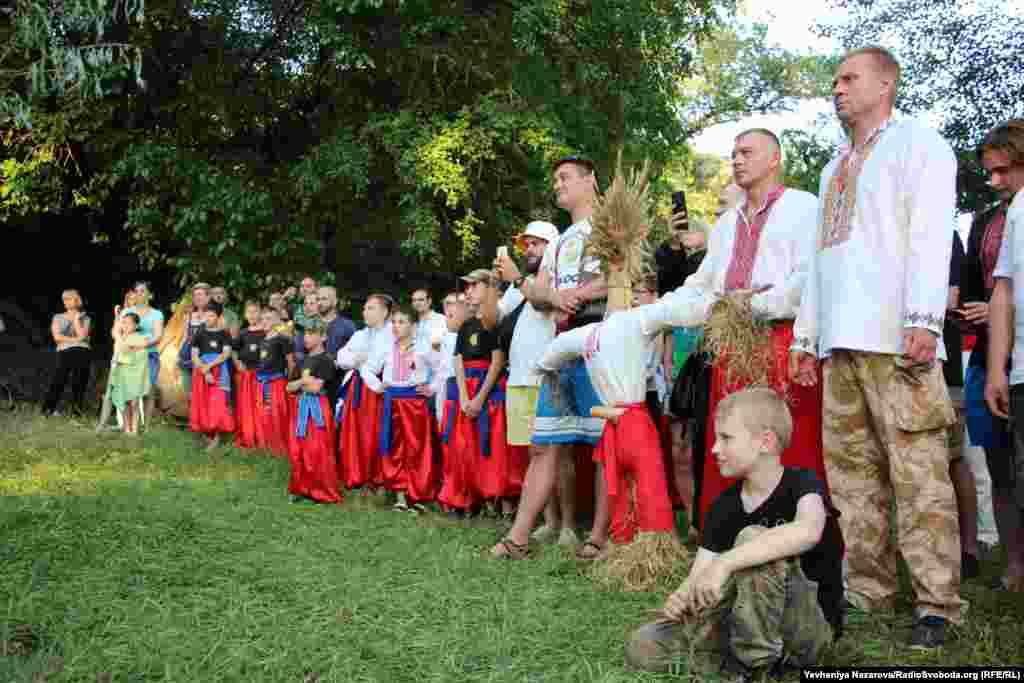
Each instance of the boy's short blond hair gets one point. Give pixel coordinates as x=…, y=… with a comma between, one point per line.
x=759, y=409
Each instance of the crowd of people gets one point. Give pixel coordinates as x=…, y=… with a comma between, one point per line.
x=865, y=291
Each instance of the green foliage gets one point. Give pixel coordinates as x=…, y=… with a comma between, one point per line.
x=225, y=222
x=280, y=137
x=806, y=153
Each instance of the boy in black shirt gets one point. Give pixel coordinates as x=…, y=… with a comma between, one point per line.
x=275, y=365
x=748, y=601
x=211, y=412
x=312, y=444
x=247, y=358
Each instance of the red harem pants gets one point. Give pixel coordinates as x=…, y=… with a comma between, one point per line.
x=360, y=420
x=805, y=405
x=476, y=462
x=630, y=449
x=247, y=390
x=275, y=417
x=211, y=405
x=412, y=462
x=314, y=457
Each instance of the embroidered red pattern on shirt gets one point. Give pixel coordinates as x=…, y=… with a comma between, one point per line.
x=990, y=244
x=403, y=363
x=840, y=198
x=748, y=237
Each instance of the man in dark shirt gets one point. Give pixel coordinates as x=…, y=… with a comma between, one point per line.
x=745, y=600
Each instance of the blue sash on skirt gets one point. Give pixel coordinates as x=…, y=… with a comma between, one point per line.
x=309, y=407
x=390, y=394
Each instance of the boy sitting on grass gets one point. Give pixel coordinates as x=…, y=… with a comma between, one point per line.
x=751, y=602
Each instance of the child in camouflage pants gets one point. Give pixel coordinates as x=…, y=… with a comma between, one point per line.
x=756, y=605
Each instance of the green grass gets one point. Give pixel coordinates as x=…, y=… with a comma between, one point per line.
x=152, y=561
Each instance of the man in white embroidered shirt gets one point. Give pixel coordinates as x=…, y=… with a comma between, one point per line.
x=873, y=308
x=762, y=245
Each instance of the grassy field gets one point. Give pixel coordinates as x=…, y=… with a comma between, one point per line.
x=151, y=561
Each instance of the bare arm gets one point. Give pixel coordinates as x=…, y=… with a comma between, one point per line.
x=460, y=380
x=493, y=373
x=1000, y=341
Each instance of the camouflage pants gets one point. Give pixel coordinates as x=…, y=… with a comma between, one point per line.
x=768, y=614
x=885, y=440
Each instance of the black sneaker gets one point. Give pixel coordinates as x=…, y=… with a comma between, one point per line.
x=929, y=633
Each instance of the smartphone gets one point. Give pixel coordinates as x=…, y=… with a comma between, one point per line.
x=679, y=204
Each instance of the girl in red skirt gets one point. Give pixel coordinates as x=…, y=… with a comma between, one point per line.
x=361, y=411
x=407, y=443
x=312, y=447
x=276, y=363
x=211, y=412
x=247, y=358
x=477, y=448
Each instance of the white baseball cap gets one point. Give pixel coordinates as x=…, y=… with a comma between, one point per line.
x=542, y=230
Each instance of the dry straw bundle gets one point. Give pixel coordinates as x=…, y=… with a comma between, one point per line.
x=620, y=222
x=733, y=332
x=653, y=558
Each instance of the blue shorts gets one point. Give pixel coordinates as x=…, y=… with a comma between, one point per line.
x=569, y=422
x=154, y=370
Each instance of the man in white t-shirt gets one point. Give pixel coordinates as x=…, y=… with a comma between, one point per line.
x=524, y=333
x=576, y=289
x=1002, y=154
x=430, y=325
x=873, y=309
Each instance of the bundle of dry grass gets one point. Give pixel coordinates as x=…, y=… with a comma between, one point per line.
x=621, y=221
x=651, y=560
x=733, y=332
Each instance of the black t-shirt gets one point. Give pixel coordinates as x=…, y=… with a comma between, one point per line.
x=212, y=341
x=274, y=354
x=247, y=347
x=953, y=368
x=675, y=266
x=822, y=563
x=322, y=367
x=475, y=342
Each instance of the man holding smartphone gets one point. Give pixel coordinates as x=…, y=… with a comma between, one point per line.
x=761, y=249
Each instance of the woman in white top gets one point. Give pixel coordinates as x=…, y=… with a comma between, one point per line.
x=71, y=330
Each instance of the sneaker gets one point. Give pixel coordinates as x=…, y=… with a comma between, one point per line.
x=568, y=537
x=929, y=633
x=544, y=534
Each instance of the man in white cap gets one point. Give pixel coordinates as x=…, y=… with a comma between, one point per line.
x=524, y=332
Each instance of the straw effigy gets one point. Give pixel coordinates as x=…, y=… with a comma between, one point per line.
x=620, y=223
x=733, y=332
x=172, y=396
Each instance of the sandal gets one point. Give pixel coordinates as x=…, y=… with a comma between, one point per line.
x=400, y=506
x=584, y=554
x=510, y=550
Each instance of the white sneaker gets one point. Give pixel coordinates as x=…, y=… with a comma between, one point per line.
x=544, y=534
x=568, y=537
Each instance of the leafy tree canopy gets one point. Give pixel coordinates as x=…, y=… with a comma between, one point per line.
x=383, y=136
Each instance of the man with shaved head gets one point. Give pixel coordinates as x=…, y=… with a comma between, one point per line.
x=759, y=249
x=873, y=310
